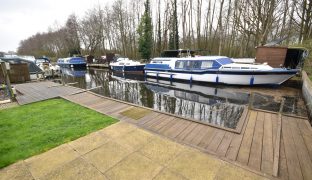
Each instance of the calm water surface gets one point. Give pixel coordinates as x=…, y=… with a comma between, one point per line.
x=215, y=104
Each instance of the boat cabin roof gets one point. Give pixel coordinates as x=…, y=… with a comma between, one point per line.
x=220, y=59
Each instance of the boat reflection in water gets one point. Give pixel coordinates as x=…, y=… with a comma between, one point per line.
x=217, y=105
x=206, y=104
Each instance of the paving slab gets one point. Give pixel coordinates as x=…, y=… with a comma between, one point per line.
x=107, y=155
x=16, y=171
x=89, y=142
x=135, y=139
x=123, y=151
x=77, y=169
x=135, y=166
x=193, y=164
x=235, y=173
x=166, y=174
x=117, y=129
x=162, y=150
x=43, y=164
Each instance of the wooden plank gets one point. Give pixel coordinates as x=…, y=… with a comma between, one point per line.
x=306, y=134
x=242, y=119
x=164, y=123
x=168, y=125
x=98, y=105
x=157, y=120
x=193, y=134
x=93, y=101
x=179, y=129
x=200, y=135
x=225, y=143
x=235, y=145
x=244, y=150
x=216, y=141
x=147, y=118
x=186, y=131
x=301, y=149
x=256, y=146
x=276, y=148
x=293, y=165
x=118, y=108
x=267, y=149
x=275, y=120
x=205, y=141
x=282, y=170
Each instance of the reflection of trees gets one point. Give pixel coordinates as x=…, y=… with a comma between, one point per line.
x=223, y=114
x=211, y=109
x=100, y=78
x=146, y=96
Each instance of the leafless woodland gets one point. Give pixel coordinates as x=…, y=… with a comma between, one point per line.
x=225, y=27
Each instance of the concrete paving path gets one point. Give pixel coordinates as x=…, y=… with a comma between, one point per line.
x=124, y=151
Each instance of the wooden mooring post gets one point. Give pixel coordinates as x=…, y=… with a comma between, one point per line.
x=7, y=79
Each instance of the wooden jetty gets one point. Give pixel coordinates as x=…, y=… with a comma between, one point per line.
x=271, y=144
x=38, y=91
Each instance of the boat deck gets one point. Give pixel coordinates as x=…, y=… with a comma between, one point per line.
x=271, y=144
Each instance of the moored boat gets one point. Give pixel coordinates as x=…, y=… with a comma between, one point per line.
x=217, y=69
x=71, y=62
x=126, y=65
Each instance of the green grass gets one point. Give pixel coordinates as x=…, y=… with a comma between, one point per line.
x=32, y=129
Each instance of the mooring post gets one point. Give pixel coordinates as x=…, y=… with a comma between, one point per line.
x=52, y=74
x=7, y=79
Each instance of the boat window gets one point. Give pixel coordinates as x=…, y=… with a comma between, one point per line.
x=180, y=64
x=196, y=64
x=244, y=67
x=127, y=63
x=121, y=63
x=206, y=64
x=235, y=67
x=226, y=67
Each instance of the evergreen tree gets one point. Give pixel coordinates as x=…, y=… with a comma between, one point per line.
x=145, y=31
x=174, y=33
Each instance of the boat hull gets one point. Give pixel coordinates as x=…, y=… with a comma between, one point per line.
x=226, y=77
x=67, y=65
x=135, y=68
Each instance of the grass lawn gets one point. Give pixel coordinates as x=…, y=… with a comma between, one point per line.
x=32, y=129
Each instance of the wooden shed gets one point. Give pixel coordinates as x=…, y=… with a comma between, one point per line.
x=18, y=73
x=274, y=56
x=278, y=56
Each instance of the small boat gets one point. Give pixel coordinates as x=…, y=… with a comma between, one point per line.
x=126, y=65
x=48, y=69
x=217, y=69
x=72, y=62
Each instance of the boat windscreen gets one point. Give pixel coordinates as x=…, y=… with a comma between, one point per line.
x=224, y=61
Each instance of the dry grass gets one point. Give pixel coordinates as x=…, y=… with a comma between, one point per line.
x=135, y=113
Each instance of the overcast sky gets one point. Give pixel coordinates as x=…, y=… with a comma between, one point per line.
x=19, y=19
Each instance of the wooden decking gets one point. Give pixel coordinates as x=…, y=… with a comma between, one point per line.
x=38, y=91
x=269, y=143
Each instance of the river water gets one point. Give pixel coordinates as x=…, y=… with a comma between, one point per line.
x=215, y=104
